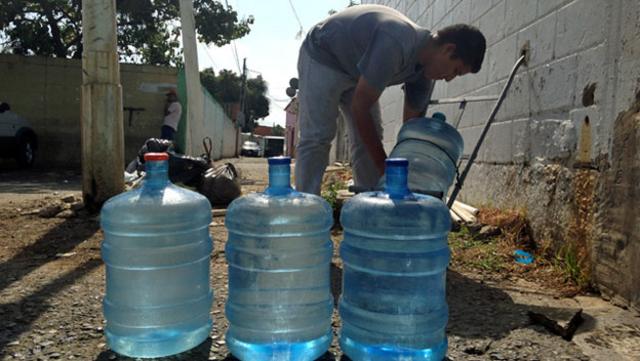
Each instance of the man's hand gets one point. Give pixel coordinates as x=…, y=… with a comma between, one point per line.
x=364, y=97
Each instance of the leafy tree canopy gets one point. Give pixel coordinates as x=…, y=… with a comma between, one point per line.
x=148, y=30
x=226, y=87
x=277, y=130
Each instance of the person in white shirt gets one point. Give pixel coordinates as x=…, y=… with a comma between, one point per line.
x=173, y=111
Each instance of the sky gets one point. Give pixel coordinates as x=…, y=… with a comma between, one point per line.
x=271, y=48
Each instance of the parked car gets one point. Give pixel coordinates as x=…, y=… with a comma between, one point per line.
x=250, y=149
x=17, y=138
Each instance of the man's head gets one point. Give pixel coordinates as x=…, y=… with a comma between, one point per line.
x=455, y=50
x=172, y=96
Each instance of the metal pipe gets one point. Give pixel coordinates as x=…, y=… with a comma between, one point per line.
x=481, y=98
x=487, y=125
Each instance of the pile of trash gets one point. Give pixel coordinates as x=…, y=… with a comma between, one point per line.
x=220, y=184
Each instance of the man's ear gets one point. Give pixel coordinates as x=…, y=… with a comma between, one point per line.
x=449, y=49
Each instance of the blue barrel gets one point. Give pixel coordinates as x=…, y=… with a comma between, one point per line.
x=395, y=255
x=433, y=149
x=279, y=253
x=156, y=249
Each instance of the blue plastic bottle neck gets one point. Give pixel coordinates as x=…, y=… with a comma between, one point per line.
x=157, y=173
x=396, y=180
x=279, y=178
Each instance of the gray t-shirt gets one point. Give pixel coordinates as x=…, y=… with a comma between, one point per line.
x=375, y=42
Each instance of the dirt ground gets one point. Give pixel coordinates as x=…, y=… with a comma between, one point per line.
x=52, y=284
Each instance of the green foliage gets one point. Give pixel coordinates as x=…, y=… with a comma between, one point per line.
x=148, y=30
x=226, y=87
x=330, y=194
x=277, y=130
x=568, y=261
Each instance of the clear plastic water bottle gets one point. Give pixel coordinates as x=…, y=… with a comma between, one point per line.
x=156, y=249
x=395, y=255
x=432, y=148
x=279, y=253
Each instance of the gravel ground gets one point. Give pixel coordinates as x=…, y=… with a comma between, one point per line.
x=52, y=286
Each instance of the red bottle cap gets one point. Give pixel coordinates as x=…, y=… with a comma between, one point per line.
x=155, y=156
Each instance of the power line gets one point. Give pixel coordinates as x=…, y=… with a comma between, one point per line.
x=295, y=13
x=206, y=51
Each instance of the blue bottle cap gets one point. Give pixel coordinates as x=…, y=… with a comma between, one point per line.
x=396, y=162
x=279, y=160
x=439, y=116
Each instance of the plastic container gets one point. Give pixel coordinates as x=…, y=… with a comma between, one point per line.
x=279, y=253
x=433, y=149
x=395, y=255
x=156, y=249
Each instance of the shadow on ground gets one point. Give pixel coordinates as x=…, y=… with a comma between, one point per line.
x=19, y=316
x=59, y=239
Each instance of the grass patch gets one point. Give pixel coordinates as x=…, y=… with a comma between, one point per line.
x=562, y=270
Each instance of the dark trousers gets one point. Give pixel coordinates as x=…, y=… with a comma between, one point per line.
x=167, y=132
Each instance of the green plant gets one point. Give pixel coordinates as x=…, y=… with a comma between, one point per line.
x=331, y=193
x=569, y=262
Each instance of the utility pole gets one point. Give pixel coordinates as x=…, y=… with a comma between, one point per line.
x=195, y=111
x=243, y=113
x=101, y=119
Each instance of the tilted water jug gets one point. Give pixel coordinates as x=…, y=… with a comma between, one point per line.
x=395, y=255
x=156, y=249
x=279, y=252
x=432, y=148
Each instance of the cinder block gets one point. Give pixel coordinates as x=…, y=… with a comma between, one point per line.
x=519, y=14
x=502, y=56
x=581, y=24
x=552, y=85
x=547, y=6
x=496, y=147
x=589, y=131
x=592, y=70
x=553, y=139
x=439, y=11
x=516, y=103
x=470, y=137
x=541, y=38
x=480, y=110
x=479, y=8
x=461, y=12
x=521, y=141
x=492, y=23
x=630, y=30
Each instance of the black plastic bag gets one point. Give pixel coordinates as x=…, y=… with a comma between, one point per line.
x=220, y=185
x=182, y=168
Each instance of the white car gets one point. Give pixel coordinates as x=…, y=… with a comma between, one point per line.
x=17, y=139
x=250, y=149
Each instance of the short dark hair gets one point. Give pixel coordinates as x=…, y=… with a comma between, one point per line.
x=469, y=41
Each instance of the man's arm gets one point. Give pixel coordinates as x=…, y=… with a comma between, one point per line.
x=364, y=98
x=409, y=113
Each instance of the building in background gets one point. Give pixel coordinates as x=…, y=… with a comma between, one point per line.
x=291, y=128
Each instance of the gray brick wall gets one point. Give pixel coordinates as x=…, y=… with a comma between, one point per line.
x=544, y=130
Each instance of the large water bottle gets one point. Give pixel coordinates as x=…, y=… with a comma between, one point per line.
x=432, y=148
x=279, y=253
x=395, y=255
x=156, y=249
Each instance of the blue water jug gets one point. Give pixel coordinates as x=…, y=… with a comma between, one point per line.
x=432, y=148
x=395, y=255
x=279, y=253
x=156, y=249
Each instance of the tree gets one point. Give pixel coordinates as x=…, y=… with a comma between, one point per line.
x=226, y=87
x=148, y=30
x=277, y=130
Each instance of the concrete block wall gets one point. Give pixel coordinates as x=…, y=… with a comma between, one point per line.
x=556, y=126
x=46, y=92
